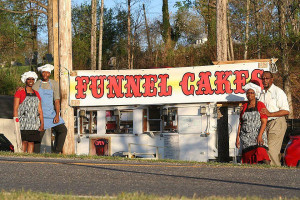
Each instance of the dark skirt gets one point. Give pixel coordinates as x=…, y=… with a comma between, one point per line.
x=255, y=155
x=30, y=135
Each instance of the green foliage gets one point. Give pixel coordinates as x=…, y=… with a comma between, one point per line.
x=114, y=35
x=10, y=79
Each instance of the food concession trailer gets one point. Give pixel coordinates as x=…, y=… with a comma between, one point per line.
x=167, y=113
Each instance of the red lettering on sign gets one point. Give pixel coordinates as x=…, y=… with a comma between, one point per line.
x=115, y=86
x=184, y=83
x=96, y=86
x=164, y=89
x=133, y=86
x=240, y=80
x=81, y=86
x=149, y=85
x=99, y=143
x=204, y=86
x=255, y=76
x=222, y=82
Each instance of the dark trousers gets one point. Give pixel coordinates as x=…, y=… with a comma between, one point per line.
x=60, y=137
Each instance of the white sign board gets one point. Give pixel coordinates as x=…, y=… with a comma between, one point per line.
x=215, y=83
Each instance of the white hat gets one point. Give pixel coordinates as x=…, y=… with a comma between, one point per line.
x=47, y=68
x=256, y=88
x=27, y=75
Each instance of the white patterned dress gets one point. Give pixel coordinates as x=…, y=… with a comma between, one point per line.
x=250, y=127
x=29, y=118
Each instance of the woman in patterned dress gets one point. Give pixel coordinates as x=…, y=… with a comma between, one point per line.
x=251, y=136
x=28, y=110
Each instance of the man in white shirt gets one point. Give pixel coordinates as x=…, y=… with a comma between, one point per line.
x=277, y=108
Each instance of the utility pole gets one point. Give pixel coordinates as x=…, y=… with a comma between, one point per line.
x=94, y=36
x=55, y=40
x=222, y=122
x=65, y=64
x=101, y=35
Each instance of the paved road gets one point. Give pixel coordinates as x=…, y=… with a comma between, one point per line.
x=86, y=177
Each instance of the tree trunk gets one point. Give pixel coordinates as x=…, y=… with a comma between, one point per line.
x=221, y=30
x=129, y=36
x=166, y=30
x=147, y=31
x=247, y=30
x=65, y=58
x=50, y=27
x=211, y=29
x=256, y=10
x=284, y=54
x=33, y=21
x=94, y=36
x=101, y=35
x=230, y=42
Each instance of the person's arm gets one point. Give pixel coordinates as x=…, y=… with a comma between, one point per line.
x=41, y=117
x=16, y=106
x=57, y=109
x=259, y=139
x=56, y=101
x=279, y=113
x=283, y=106
x=237, y=143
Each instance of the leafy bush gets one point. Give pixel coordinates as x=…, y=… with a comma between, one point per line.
x=10, y=79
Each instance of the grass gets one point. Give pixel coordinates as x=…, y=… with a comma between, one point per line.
x=21, y=195
x=115, y=158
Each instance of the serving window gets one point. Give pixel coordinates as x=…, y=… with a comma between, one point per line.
x=119, y=121
x=154, y=118
x=170, y=119
x=88, y=122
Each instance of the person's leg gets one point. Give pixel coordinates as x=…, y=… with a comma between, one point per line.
x=30, y=147
x=37, y=144
x=60, y=136
x=24, y=145
x=267, y=162
x=276, y=131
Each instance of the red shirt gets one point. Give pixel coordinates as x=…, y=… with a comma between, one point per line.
x=260, y=105
x=21, y=94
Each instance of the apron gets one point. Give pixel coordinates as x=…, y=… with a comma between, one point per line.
x=28, y=112
x=250, y=128
x=48, y=107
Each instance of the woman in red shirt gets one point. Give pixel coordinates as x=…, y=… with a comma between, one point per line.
x=251, y=136
x=28, y=108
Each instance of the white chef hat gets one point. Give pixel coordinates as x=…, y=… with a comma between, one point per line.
x=47, y=68
x=27, y=75
x=253, y=86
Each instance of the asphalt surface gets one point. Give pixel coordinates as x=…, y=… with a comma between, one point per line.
x=101, y=177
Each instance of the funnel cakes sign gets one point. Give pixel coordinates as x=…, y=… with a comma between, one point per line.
x=215, y=83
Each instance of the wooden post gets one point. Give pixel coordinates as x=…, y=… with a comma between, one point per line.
x=222, y=123
x=94, y=36
x=55, y=40
x=65, y=64
x=101, y=35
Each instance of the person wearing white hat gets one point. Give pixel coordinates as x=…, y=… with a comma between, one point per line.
x=251, y=136
x=28, y=111
x=49, y=91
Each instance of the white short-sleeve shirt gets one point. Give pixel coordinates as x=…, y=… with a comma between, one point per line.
x=275, y=99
